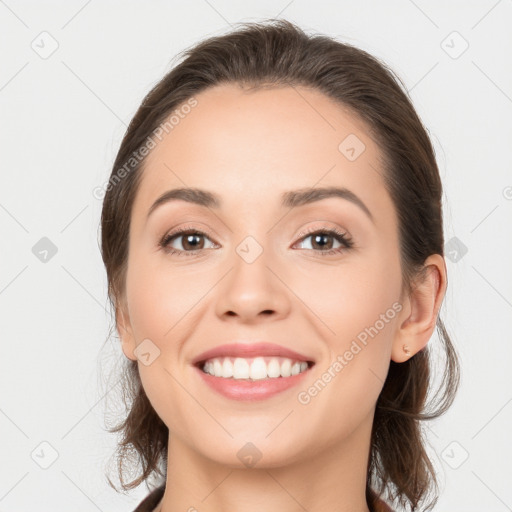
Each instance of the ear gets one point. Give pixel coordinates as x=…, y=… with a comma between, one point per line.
x=420, y=311
x=125, y=331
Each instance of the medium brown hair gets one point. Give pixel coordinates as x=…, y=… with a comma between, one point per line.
x=278, y=53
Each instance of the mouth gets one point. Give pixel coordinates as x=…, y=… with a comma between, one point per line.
x=251, y=372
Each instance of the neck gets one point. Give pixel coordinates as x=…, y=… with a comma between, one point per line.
x=331, y=479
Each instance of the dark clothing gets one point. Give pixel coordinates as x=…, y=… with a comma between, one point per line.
x=149, y=503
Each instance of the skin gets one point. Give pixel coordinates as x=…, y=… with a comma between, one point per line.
x=249, y=147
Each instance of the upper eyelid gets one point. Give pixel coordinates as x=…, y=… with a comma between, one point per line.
x=307, y=232
x=332, y=229
x=182, y=230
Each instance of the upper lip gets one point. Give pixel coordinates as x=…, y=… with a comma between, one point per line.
x=250, y=350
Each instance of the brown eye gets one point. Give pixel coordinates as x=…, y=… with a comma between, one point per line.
x=325, y=240
x=192, y=241
x=184, y=242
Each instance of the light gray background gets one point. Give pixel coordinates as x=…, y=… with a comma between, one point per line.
x=62, y=119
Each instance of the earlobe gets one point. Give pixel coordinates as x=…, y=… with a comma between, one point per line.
x=417, y=327
x=125, y=332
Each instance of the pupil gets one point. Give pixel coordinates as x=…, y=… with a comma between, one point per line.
x=189, y=239
x=319, y=237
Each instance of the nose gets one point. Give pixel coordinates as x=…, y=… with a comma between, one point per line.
x=253, y=292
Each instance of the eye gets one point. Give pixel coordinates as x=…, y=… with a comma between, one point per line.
x=324, y=241
x=192, y=241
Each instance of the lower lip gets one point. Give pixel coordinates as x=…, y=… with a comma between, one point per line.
x=243, y=389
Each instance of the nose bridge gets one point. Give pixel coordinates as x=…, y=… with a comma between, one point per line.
x=251, y=287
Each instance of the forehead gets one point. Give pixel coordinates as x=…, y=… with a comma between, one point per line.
x=249, y=146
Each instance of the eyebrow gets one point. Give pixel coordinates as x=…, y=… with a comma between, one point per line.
x=291, y=199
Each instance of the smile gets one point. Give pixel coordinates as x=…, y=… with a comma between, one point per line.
x=257, y=368
x=252, y=379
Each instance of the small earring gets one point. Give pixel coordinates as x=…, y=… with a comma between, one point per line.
x=406, y=350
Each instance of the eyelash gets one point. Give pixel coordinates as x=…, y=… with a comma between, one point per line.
x=342, y=237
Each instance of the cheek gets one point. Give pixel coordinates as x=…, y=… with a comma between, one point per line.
x=155, y=298
x=350, y=296
x=360, y=307
x=147, y=305
x=165, y=302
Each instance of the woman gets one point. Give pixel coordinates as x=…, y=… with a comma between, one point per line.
x=272, y=235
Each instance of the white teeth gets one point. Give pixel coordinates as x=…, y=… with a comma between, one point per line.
x=286, y=368
x=258, y=369
x=254, y=369
x=274, y=368
x=227, y=369
x=217, y=366
x=240, y=369
x=295, y=368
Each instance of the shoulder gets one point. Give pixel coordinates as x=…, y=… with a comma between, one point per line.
x=149, y=503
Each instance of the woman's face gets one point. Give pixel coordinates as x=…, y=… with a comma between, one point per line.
x=254, y=272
